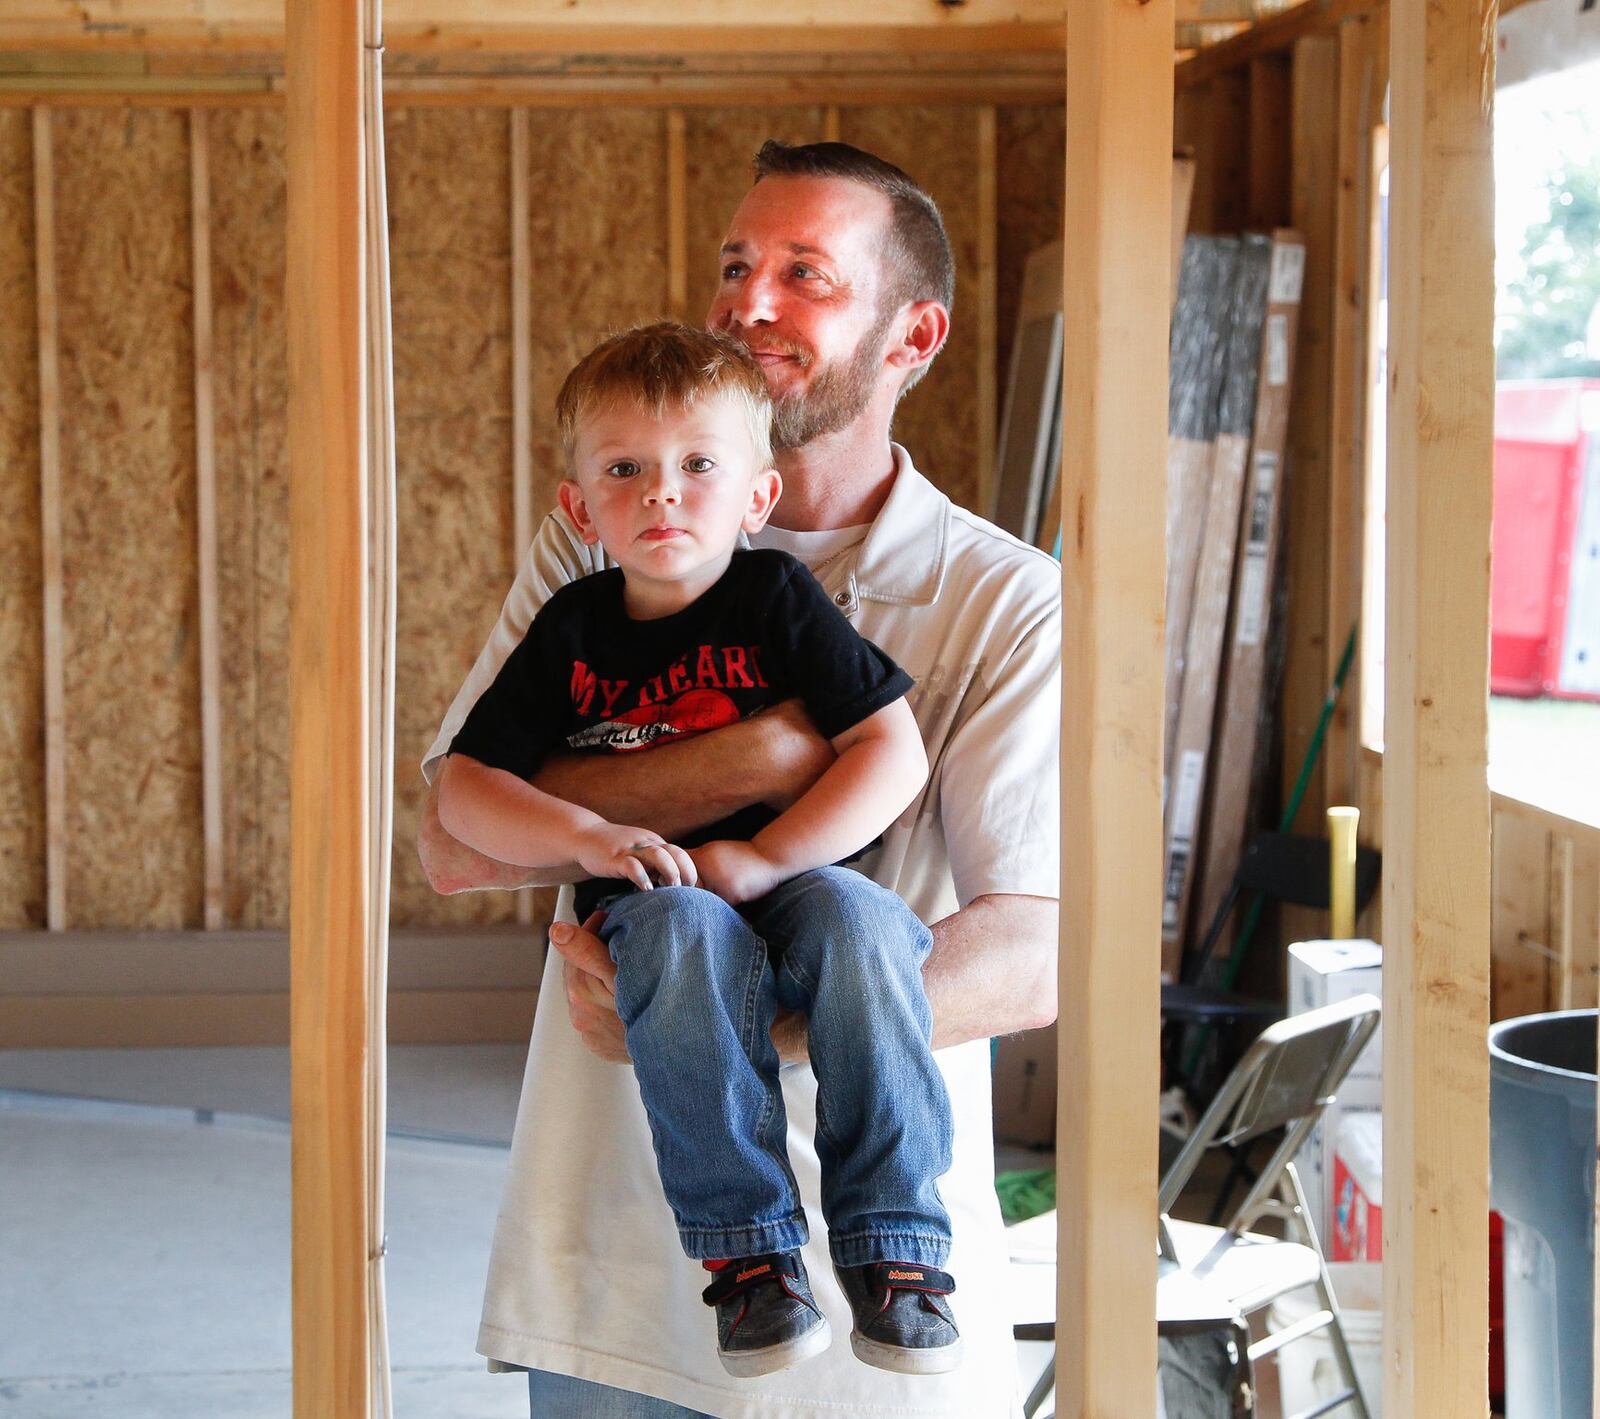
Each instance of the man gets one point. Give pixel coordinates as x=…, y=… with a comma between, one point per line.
x=837, y=275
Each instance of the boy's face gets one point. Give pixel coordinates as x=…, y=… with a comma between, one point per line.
x=668, y=496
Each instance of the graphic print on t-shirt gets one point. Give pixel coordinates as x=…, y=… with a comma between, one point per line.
x=685, y=699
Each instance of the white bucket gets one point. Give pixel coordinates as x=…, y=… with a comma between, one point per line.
x=1307, y=1371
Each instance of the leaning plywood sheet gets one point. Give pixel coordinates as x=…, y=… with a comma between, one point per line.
x=719, y=146
x=938, y=422
x=1199, y=329
x=1244, y=676
x=128, y=481
x=251, y=372
x=449, y=199
x=22, y=884
x=1212, y=586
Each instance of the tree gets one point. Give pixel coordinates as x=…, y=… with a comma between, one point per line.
x=1546, y=310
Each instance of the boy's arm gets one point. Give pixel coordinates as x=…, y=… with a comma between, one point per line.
x=771, y=758
x=501, y=816
x=880, y=766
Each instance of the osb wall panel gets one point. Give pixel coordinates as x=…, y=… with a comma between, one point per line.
x=598, y=197
x=247, y=168
x=1030, y=178
x=938, y=422
x=21, y=684
x=450, y=270
x=720, y=146
x=132, y=677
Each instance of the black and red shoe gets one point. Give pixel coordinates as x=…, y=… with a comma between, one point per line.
x=903, y=1320
x=767, y=1318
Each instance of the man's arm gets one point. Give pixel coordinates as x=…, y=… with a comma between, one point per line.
x=771, y=758
x=992, y=971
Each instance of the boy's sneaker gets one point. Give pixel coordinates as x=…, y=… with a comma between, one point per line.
x=767, y=1318
x=902, y=1317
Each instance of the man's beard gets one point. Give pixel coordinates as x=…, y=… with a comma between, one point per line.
x=836, y=396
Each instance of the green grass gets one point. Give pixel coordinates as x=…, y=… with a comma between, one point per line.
x=1547, y=752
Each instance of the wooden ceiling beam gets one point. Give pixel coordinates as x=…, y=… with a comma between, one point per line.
x=588, y=26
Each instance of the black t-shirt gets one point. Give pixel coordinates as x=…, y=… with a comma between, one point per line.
x=588, y=677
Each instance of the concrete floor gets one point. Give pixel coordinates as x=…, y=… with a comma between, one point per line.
x=144, y=1232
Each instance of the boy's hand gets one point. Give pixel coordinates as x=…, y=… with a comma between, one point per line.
x=636, y=854
x=735, y=871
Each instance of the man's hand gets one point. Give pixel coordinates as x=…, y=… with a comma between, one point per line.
x=736, y=871
x=635, y=854
x=590, y=979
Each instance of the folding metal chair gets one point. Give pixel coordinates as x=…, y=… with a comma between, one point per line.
x=1285, y=1080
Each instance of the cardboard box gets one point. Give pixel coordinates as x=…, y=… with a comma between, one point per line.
x=1324, y=973
x=1025, y=1088
x=1357, y=1188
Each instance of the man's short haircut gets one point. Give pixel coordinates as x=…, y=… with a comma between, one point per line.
x=924, y=265
x=665, y=366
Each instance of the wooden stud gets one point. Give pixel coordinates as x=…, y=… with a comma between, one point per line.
x=1267, y=202
x=1436, y=794
x=1305, y=682
x=677, y=215
x=205, y=462
x=1117, y=259
x=1228, y=140
x=53, y=574
x=330, y=750
x=1348, y=376
x=986, y=279
x=1521, y=944
x=521, y=375
x=830, y=123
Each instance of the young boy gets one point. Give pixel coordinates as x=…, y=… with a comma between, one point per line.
x=666, y=434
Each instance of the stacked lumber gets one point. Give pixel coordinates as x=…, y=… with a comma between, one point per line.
x=1232, y=351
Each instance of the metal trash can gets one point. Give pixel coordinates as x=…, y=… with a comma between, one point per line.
x=1542, y=1168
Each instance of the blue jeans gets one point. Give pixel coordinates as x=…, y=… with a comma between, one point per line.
x=552, y=1396
x=698, y=986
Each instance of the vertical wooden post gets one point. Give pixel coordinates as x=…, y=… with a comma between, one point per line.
x=677, y=214
x=988, y=296
x=205, y=463
x=521, y=375
x=1314, y=101
x=55, y=690
x=830, y=123
x=1116, y=279
x=1348, y=387
x=1269, y=131
x=1435, y=789
x=330, y=886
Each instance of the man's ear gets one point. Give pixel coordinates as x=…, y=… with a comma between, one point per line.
x=764, y=491
x=570, y=497
x=923, y=330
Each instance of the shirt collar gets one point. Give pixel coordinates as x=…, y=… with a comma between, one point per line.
x=904, y=557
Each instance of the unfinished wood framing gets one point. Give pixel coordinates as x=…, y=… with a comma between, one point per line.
x=1436, y=797
x=521, y=375
x=205, y=462
x=988, y=313
x=1117, y=258
x=55, y=694
x=677, y=215
x=331, y=834
x=1305, y=679
x=1360, y=101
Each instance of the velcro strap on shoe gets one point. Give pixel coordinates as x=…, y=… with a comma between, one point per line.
x=751, y=1271
x=906, y=1276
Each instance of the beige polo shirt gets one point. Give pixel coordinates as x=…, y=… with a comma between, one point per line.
x=586, y=1276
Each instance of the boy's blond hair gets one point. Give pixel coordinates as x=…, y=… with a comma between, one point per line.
x=667, y=365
